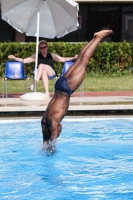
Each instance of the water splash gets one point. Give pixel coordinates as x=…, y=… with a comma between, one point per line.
x=49, y=148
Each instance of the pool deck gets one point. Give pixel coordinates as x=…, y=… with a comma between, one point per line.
x=87, y=104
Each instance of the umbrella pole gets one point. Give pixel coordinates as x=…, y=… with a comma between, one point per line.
x=34, y=95
x=37, y=43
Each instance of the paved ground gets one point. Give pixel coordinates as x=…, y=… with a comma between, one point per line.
x=86, y=94
x=88, y=103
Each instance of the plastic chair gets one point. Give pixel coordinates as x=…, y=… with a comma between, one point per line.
x=66, y=66
x=52, y=77
x=131, y=68
x=14, y=71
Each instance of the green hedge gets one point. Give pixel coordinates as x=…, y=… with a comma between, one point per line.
x=111, y=59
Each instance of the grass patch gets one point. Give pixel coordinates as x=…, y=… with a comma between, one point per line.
x=20, y=86
x=123, y=83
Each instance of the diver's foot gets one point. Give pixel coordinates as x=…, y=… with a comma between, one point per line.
x=103, y=33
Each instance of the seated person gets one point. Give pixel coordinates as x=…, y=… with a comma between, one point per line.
x=45, y=64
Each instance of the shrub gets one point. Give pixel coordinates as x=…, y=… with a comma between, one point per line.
x=111, y=59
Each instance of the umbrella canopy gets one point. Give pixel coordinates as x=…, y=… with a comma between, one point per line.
x=41, y=18
x=57, y=17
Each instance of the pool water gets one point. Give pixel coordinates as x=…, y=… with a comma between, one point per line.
x=93, y=161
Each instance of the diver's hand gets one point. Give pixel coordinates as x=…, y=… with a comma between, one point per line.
x=49, y=147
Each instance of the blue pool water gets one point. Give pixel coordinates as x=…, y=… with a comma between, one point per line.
x=93, y=161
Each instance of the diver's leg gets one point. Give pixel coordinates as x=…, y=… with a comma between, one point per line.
x=75, y=75
x=79, y=56
x=101, y=34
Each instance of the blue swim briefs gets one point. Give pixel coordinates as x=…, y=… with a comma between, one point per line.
x=61, y=85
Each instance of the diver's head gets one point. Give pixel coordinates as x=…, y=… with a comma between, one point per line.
x=45, y=131
x=46, y=134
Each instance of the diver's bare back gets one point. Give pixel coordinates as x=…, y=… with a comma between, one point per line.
x=58, y=106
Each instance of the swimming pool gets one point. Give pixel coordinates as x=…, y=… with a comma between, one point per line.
x=93, y=161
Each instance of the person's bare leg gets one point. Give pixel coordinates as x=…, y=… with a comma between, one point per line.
x=43, y=72
x=39, y=73
x=78, y=59
x=103, y=34
x=45, y=81
x=76, y=75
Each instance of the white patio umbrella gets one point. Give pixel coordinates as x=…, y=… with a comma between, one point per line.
x=41, y=18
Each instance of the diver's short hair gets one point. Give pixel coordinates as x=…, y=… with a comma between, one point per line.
x=45, y=131
x=46, y=134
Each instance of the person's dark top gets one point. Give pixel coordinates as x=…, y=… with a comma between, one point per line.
x=48, y=60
